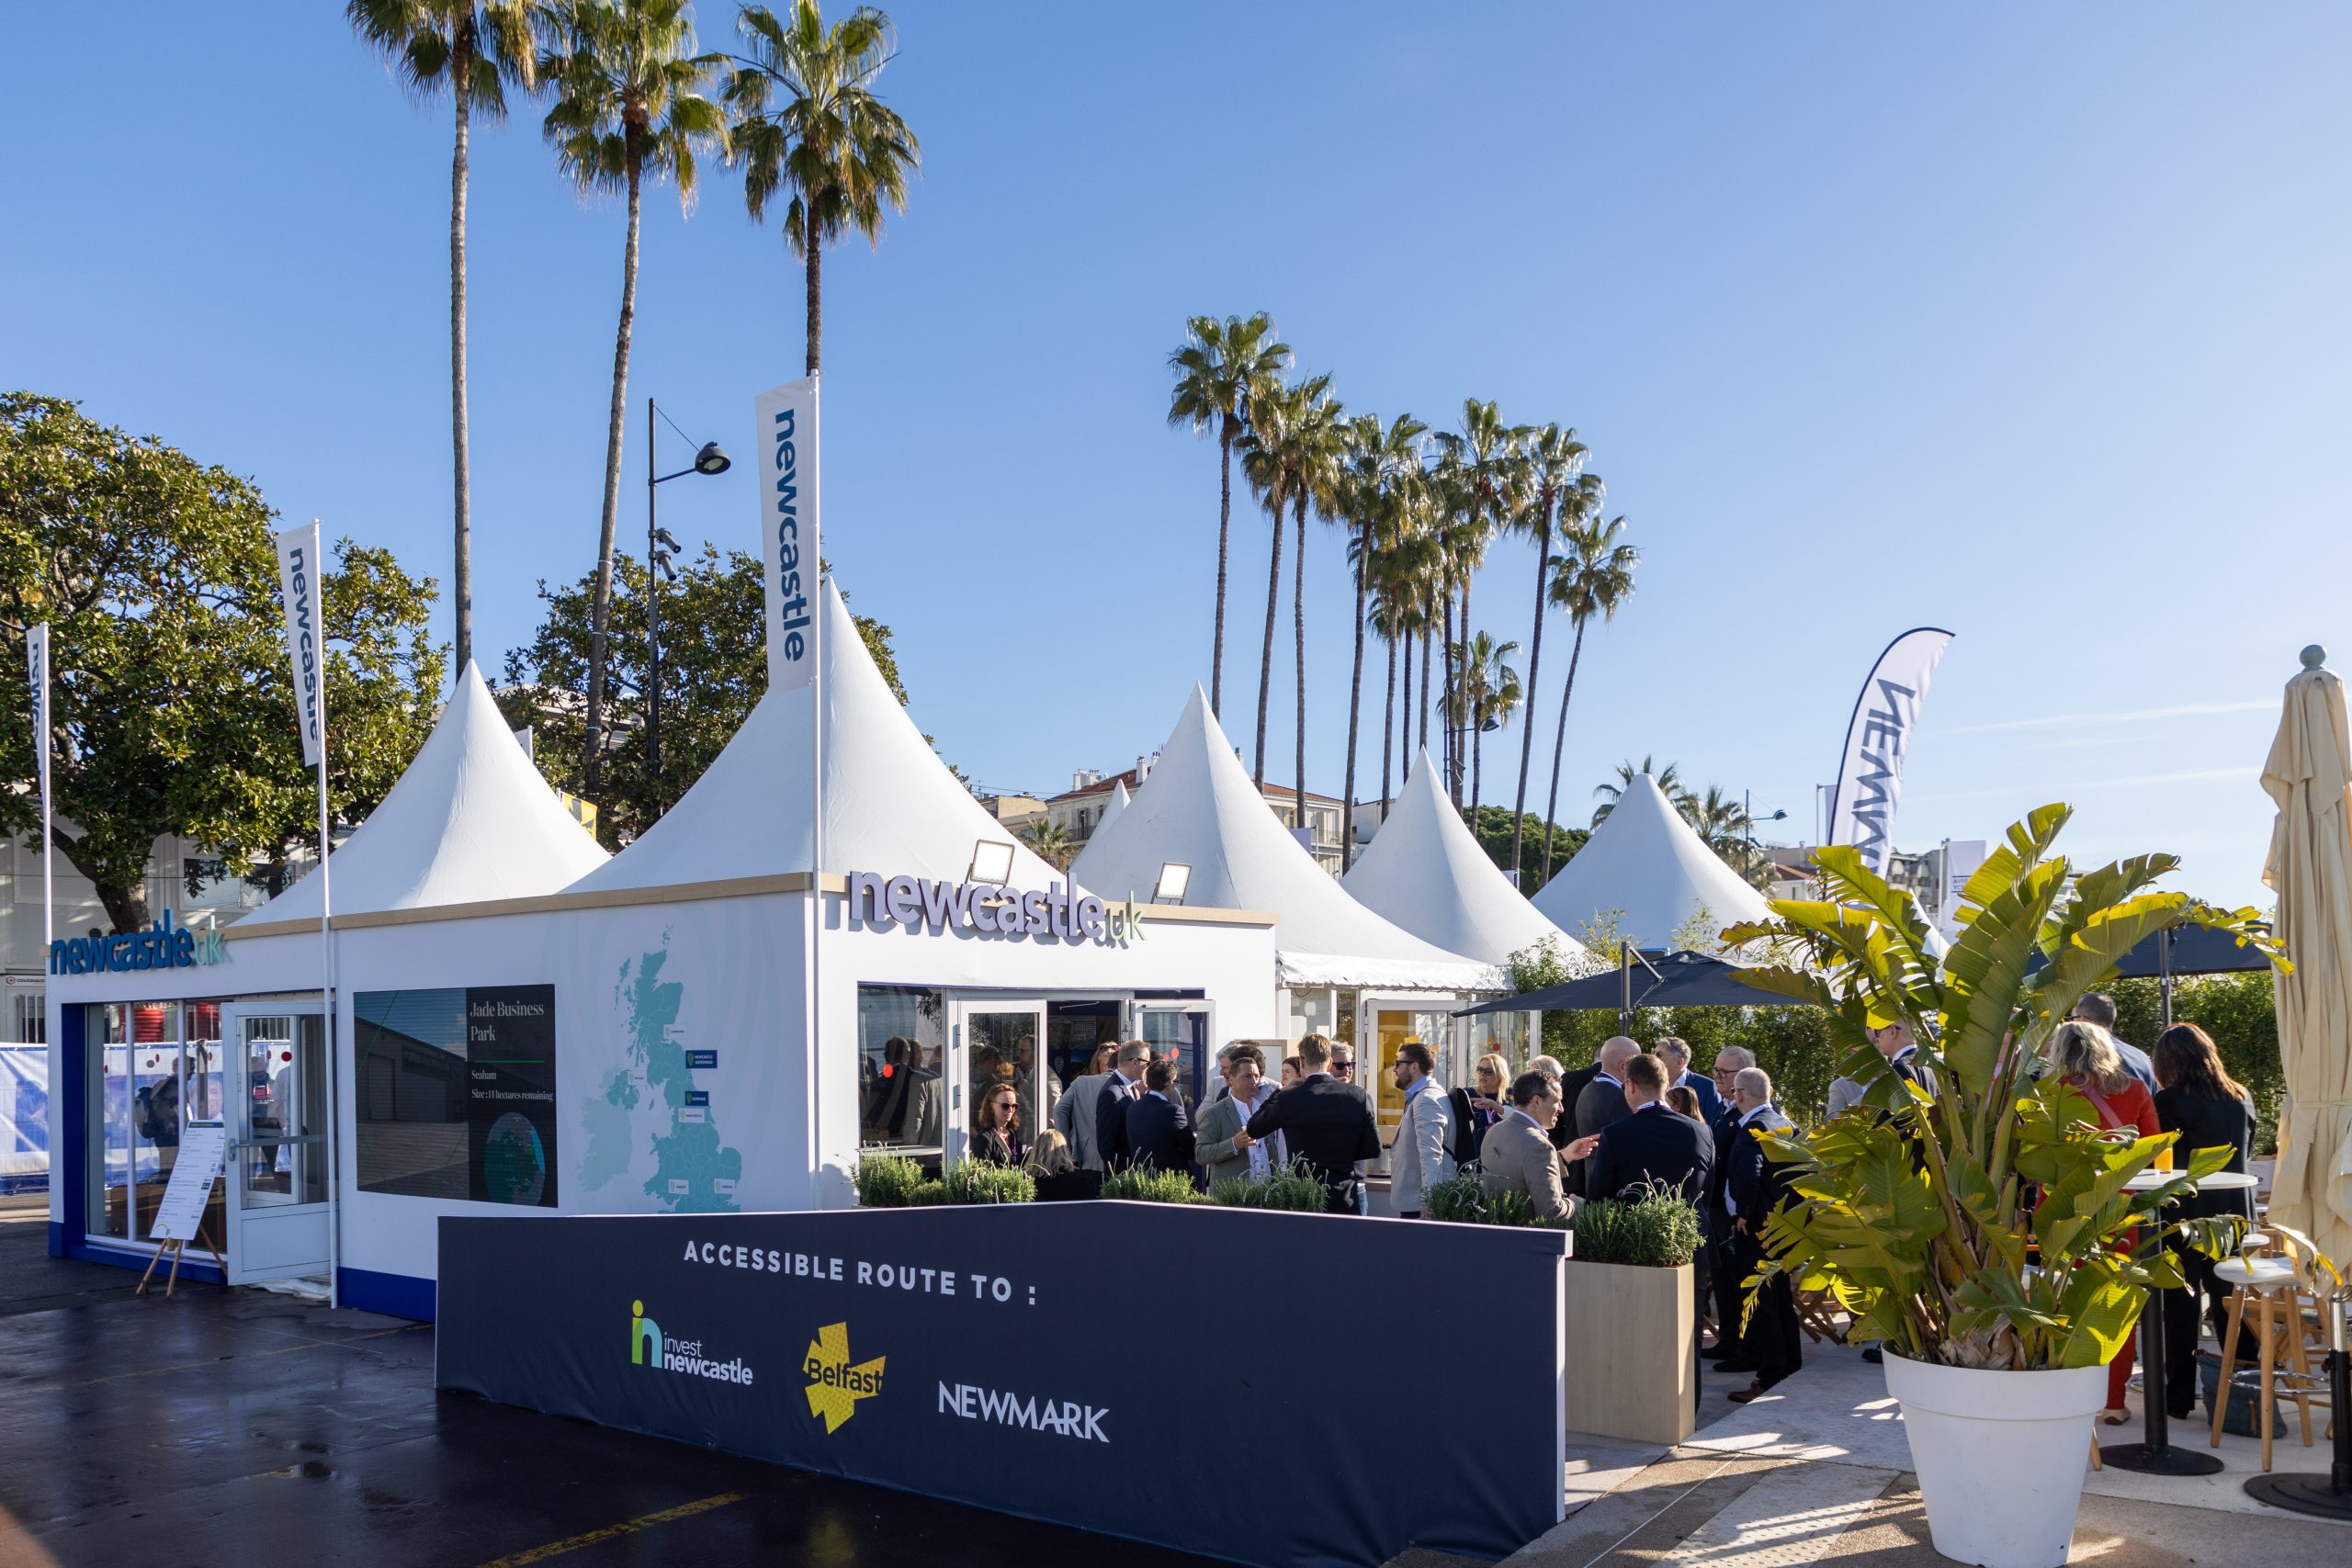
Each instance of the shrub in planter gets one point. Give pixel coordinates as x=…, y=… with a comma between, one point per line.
x=976, y=1181
x=1294, y=1190
x=1142, y=1184
x=927, y=1194
x=1658, y=1230
x=887, y=1181
x=1458, y=1199
x=1979, y=1224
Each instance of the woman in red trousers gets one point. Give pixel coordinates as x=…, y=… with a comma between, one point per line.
x=2083, y=1057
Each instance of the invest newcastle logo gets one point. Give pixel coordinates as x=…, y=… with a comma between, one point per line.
x=834, y=1385
x=648, y=1347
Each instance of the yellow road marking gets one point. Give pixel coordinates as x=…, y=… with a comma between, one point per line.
x=614, y=1532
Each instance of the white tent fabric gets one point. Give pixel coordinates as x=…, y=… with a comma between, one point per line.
x=1119, y=799
x=471, y=820
x=890, y=803
x=1200, y=809
x=1424, y=872
x=1648, y=864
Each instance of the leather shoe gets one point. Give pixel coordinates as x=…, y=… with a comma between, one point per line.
x=1873, y=1355
x=1753, y=1391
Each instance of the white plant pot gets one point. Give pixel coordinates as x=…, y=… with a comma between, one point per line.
x=2000, y=1456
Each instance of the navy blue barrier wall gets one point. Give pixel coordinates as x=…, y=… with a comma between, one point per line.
x=1104, y=1365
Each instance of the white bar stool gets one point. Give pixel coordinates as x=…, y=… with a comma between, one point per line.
x=2264, y=1289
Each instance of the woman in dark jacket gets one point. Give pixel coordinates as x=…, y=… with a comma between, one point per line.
x=996, y=1132
x=2199, y=1100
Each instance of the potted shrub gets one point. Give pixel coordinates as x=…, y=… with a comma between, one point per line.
x=887, y=1181
x=1296, y=1190
x=1983, y=1229
x=1146, y=1184
x=976, y=1181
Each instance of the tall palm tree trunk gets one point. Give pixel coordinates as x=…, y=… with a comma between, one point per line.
x=1406, y=751
x=1534, y=661
x=1477, y=764
x=816, y=291
x=592, y=766
x=462, y=577
x=1559, y=738
x=1298, y=623
x=1224, y=545
x=1355, y=707
x=1462, y=696
x=1266, y=658
x=1389, y=730
x=1429, y=678
x=1445, y=715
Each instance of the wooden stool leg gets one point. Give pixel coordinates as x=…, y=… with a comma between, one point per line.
x=2095, y=1465
x=2269, y=1364
x=2229, y=1362
x=2301, y=1361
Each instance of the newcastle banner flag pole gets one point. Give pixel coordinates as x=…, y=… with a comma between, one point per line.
x=298, y=566
x=791, y=564
x=36, y=671
x=1870, y=771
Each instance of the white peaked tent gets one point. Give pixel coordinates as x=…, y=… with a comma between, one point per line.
x=1647, y=863
x=1119, y=799
x=890, y=803
x=1199, y=808
x=471, y=820
x=1424, y=872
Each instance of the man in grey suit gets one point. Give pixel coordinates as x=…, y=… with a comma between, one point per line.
x=1243, y=1067
x=1074, y=1117
x=1516, y=1156
x=1419, y=1155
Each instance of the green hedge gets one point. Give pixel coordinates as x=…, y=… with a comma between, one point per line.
x=2238, y=1011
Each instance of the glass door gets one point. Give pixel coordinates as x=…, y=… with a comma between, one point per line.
x=1185, y=1029
x=992, y=1043
x=277, y=1103
x=1386, y=1023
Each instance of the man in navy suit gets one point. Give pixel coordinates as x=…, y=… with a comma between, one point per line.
x=1158, y=1132
x=1328, y=1125
x=1122, y=1087
x=1675, y=1053
x=1757, y=1186
x=1652, y=1142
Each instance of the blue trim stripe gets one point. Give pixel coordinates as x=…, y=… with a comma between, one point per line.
x=395, y=1295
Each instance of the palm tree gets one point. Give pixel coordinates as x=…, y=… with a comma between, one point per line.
x=1365, y=496
x=842, y=153
x=1278, y=449
x=1555, y=461
x=470, y=49
x=1050, y=839
x=1489, y=470
x=1595, y=576
x=1669, y=780
x=1320, y=440
x=629, y=104
x=1487, y=694
x=1221, y=370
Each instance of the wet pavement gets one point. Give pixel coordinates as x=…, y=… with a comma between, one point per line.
x=243, y=1428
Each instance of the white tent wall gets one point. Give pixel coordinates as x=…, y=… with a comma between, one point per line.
x=1647, y=865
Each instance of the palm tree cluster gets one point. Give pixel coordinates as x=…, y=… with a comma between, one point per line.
x=1419, y=511
x=1720, y=819
x=633, y=100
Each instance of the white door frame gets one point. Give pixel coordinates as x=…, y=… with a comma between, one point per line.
x=1183, y=1006
x=1372, y=1067
x=272, y=1241
x=955, y=1119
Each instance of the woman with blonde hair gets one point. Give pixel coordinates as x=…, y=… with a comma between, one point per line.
x=2082, y=1056
x=1060, y=1177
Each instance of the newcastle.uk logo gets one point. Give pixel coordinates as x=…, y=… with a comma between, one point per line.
x=834, y=1385
x=648, y=1347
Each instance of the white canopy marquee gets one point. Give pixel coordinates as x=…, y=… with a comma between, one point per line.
x=1646, y=863
x=1425, y=871
x=1119, y=799
x=891, y=803
x=470, y=820
x=1199, y=809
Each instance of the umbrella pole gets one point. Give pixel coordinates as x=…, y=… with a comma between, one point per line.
x=2164, y=973
x=1625, y=986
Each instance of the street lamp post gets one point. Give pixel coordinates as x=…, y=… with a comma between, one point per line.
x=1748, y=823
x=658, y=548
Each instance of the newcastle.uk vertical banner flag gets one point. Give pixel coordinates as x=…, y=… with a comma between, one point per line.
x=36, y=671
x=298, y=577
x=786, y=444
x=1870, y=774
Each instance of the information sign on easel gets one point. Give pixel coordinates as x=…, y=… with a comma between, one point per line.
x=179, y=1218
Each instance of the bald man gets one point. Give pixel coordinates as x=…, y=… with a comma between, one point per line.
x=1603, y=1099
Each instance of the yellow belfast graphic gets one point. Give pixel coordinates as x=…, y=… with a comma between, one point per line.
x=834, y=1385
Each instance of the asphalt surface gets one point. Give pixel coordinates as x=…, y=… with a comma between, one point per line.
x=240, y=1427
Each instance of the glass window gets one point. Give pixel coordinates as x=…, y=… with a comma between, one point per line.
x=284, y=1161
x=901, y=1040
x=455, y=1091
x=1312, y=1011
x=30, y=1017
x=107, y=1032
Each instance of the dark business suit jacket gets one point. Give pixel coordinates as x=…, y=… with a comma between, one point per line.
x=1601, y=1103
x=1328, y=1125
x=1658, y=1143
x=2205, y=1124
x=1758, y=1184
x=1110, y=1122
x=1572, y=1087
x=1158, y=1133
x=1711, y=1099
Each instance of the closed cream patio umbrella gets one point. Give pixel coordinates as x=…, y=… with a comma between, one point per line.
x=2310, y=777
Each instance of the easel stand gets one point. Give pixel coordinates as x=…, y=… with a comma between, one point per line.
x=177, y=1249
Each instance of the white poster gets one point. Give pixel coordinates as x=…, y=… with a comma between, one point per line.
x=786, y=443
x=297, y=578
x=1870, y=774
x=37, y=672
x=203, y=1148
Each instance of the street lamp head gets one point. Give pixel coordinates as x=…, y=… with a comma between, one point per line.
x=710, y=459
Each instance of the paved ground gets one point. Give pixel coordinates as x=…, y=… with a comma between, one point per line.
x=240, y=1427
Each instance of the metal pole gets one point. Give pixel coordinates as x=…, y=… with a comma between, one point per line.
x=2164, y=973
x=652, y=611
x=816, y=778
x=1625, y=986
x=327, y=960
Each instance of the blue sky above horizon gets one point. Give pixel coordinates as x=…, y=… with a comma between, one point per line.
x=2030, y=322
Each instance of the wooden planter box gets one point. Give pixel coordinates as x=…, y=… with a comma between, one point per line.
x=1633, y=1348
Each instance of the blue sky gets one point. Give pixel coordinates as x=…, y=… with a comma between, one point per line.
x=2026, y=321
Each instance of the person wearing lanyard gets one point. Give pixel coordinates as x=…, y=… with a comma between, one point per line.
x=1242, y=1066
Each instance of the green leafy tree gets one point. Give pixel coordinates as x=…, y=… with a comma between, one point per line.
x=1051, y=842
x=1485, y=693
x=1498, y=830
x=1486, y=467
x=1290, y=456
x=171, y=704
x=629, y=105
x=807, y=122
x=1669, y=780
x=1594, y=577
x=1222, y=367
x=1554, y=483
x=713, y=672
x=1374, y=463
x=469, y=50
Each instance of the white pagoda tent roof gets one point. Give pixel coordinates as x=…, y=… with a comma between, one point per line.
x=1648, y=864
x=470, y=820
x=1199, y=808
x=1425, y=871
x=1118, y=803
x=890, y=803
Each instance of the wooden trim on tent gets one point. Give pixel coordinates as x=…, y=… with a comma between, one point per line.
x=678, y=893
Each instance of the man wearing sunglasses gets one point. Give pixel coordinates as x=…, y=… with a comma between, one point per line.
x=1343, y=1068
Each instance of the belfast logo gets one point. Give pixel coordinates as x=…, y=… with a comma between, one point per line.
x=834, y=1385
x=648, y=1347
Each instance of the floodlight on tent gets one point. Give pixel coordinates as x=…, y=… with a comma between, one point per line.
x=992, y=861
x=1174, y=877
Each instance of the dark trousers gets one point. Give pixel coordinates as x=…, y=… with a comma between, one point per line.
x=1724, y=1278
x=2181, y=1328
x=1774, y=1344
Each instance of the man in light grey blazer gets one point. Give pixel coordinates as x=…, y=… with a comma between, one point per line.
x=1420, y=1155
x=1516, y=1156
x=1074, y=1118
x=1243, y=1067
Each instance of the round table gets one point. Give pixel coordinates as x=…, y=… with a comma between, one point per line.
x=2155, y=1455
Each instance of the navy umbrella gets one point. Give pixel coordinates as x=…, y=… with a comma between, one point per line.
x=1671, y=979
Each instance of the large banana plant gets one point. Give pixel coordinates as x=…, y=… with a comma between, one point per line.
x=1987, y=1222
